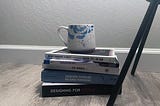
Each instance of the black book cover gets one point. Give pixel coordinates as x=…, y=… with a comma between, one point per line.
x=75, y=89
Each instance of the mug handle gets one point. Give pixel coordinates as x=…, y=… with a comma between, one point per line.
x=60, y=35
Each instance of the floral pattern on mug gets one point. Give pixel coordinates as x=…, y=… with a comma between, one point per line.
x=79, y=31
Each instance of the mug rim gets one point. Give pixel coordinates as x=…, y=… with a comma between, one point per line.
x=80, y=24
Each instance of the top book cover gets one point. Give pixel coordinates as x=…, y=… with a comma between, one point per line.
x=98, y=55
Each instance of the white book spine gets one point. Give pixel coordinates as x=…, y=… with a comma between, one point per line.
x=73, y=65
x=96, y=58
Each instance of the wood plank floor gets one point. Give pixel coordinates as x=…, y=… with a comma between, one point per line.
x=20, y=85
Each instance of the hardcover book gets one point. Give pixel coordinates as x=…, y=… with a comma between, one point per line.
x=99, y=55
x=81, y=65
x=62, y=76
x=75, y=89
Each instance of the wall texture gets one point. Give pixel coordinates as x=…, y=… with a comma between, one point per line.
x=34, y=22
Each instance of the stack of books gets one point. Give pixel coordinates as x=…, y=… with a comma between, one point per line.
x=71, y=74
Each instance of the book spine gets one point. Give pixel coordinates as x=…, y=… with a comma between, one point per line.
x=75, y=90
x=79, y=66
x=98, y=58
x=61, y=76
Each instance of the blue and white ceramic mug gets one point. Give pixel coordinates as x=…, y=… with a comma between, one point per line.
x=81, y=37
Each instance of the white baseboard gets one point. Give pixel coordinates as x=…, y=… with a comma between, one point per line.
x=29, y=54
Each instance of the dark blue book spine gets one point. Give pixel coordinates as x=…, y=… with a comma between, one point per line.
x=61, y=76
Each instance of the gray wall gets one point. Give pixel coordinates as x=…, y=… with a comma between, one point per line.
x=34, y=22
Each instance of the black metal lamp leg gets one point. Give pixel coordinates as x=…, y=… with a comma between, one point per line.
x=131, y=54
x=143, y=40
